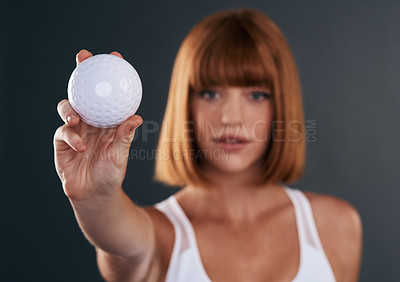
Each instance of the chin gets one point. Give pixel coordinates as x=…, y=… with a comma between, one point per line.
x=231, y=166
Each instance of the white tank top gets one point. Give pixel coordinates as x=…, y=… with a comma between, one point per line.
x=186, y=265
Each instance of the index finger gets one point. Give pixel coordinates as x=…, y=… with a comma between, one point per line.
x=82, y=55
x=67, y=114
x=115, y=53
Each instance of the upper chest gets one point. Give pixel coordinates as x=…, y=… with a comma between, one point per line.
x=264, y=250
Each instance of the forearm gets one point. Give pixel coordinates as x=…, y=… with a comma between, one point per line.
x=114, y=224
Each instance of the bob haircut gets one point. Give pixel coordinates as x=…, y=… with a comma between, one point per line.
x=233, y=48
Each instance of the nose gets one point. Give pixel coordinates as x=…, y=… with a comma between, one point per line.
x=232, y=111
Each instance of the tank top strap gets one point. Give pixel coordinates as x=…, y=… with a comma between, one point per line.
x=305, y=219
x=185, y=240
x=171, y=209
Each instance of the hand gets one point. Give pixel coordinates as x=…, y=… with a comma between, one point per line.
x=91, y=161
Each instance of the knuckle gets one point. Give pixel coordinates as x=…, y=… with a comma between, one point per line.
x=59, y=133
x=59, y=129
x=65, y=132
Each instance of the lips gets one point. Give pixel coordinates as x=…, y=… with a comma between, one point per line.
x=231, y=143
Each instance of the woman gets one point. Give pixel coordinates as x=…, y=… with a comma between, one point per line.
x=233, y=138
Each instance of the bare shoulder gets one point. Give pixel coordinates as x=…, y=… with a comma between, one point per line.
x=340, y=229
x=335, y=212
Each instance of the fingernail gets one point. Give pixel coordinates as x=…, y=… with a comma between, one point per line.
x=70, y=117
x=81, y=146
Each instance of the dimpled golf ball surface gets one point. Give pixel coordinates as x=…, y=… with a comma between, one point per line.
x=104, y=90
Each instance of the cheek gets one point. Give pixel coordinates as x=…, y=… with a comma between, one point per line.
x=260, y=128
x=205, y=124
x=200, y=124
x=261, y=131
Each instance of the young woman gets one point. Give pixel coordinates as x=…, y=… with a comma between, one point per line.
x=233, y=137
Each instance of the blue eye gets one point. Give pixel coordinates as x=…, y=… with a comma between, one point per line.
x=209, y=94
x=260, y=95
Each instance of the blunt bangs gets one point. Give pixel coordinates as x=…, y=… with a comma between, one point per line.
x=229, y=58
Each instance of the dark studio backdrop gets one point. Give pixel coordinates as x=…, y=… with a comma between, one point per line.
x=348, y=58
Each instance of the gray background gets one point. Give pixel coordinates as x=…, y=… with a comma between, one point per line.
x=348, y=57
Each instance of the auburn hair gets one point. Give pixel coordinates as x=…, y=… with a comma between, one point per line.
x=233, y=48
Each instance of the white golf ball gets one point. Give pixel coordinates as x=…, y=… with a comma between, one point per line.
x=104, y=90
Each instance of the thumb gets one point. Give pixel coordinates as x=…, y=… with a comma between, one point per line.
x=125, y=132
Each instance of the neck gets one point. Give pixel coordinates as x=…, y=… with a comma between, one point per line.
x=233, y=180
x=233, y=197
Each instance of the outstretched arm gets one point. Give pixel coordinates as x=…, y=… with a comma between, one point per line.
x=91, y=163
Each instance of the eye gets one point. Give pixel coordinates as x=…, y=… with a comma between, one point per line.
x=209, y=94
x=259, y=95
